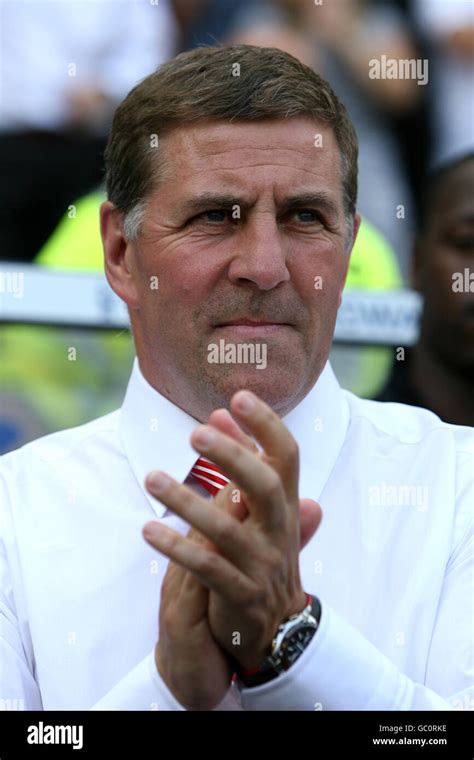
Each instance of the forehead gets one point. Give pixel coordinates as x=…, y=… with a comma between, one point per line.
x=455, y=195
x=261, y=155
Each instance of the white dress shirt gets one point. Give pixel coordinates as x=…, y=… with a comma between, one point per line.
x=391, y=561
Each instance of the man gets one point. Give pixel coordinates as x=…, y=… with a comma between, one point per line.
x=231, y=176
x=438, y=373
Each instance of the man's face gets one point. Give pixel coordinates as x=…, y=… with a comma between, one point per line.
x=247, y=225
x=447, y=248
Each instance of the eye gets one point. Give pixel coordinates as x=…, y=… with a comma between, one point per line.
x=464, y=243
x=307, y=216
x=214, y=216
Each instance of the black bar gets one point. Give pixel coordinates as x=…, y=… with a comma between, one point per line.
x=315, y=736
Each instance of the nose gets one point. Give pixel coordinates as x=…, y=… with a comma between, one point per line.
x=260, y=257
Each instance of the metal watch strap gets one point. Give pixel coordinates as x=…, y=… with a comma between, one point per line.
x=270, y=669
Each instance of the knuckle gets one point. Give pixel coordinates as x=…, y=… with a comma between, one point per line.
x=272, y=487
x=259, y=598
x=253, y=597
x=239, y=454
x=225, y=532
x=275, y=566
x=171, y=542
x=208, y=564
x=243, y=590
x=186, y=497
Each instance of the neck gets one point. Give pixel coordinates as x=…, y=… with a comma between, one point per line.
x=199, y=401
x=443, y=388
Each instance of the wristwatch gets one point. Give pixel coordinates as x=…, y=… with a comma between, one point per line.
x=289, y=643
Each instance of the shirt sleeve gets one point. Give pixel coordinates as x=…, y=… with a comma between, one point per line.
x=144, y=689
x=342, y=670
x=18, y=688
x=141, y=689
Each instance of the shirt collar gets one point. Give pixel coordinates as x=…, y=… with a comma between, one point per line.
x=155, y=433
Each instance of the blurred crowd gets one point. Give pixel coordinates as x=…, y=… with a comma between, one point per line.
x=66, y=64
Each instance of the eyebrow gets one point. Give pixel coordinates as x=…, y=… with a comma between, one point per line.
x=207, y=201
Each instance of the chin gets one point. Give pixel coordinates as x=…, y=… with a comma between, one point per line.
x=278, y=388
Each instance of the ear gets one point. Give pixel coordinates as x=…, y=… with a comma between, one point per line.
x=355, y=230
x=118, y=255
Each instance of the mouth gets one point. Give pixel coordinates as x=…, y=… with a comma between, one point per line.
x=253, y=327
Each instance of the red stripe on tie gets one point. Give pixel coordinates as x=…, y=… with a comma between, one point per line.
x=209, y=475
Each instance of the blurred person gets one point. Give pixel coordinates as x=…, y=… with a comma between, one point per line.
x=209, y=22
x=449, y=28
x=438, y=372
x=412, y=127
x=64, y=67
x=340, y=40
x=236, y=230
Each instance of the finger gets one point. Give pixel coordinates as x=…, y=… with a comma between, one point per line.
x=211, y=569
x=223, y=421
x=180, y=589
x=194, y=597
x=181, y=585
x=272, y=434
x=173, y=578
x=310, y=520
x=214, y=523
x=235, y=503
x=262, y=485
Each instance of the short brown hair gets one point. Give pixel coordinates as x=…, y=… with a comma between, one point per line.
x=202, y=85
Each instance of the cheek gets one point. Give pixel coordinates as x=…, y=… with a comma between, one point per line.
x=319, y=280
x=166, y=281
x=439, y=278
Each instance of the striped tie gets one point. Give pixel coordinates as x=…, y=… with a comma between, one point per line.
x=209, y=475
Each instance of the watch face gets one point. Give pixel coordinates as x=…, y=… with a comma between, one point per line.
x=297, y=642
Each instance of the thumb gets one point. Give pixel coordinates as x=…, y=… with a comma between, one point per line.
x=310, y=519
